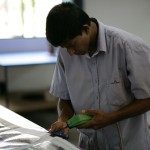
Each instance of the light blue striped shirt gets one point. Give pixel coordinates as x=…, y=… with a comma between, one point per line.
x=116, y=75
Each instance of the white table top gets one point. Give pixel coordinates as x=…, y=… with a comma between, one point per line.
x=26, y=58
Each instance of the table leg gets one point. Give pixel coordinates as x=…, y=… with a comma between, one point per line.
x=6, y=82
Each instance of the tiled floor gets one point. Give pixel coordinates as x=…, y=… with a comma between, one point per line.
x=45, y=118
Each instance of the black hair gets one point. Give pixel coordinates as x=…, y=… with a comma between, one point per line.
x=65, y=21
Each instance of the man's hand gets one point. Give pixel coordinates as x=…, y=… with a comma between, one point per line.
x=59, y=128
x=102, y=119
x=58, y=125
x=99, y=120
x=65, y=111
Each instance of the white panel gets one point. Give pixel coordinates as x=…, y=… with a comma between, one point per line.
x=30, y=78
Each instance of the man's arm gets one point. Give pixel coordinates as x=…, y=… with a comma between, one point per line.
x=102, y=119
x=65, y=111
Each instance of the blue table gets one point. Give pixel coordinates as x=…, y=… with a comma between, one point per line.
x=27, y=58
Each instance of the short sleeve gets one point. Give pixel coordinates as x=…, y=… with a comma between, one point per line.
x=138, y=66
x=58, y=85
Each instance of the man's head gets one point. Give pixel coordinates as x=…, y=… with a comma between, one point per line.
x=65, y=22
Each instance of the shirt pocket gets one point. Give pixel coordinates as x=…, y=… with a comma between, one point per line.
x=117, y=94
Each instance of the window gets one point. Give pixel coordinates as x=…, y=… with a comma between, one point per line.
x=24, y=18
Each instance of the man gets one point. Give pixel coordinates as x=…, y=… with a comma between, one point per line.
x=104, y=72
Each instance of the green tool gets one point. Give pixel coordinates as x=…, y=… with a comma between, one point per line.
x=71, y=123
x=78, y=120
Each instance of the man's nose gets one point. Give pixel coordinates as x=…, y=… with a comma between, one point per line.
x=71, y=51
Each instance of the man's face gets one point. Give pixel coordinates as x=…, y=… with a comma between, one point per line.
x=78, y=45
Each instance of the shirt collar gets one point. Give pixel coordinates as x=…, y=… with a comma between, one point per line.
x=101, y=41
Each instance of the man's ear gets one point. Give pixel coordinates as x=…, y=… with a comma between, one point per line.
x=86, y=28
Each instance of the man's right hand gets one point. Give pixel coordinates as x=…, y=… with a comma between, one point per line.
x=58, y=125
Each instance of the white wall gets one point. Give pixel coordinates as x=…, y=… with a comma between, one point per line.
x=130, y=15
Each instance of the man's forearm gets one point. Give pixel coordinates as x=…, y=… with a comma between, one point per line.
x=102, y=119
x=136, y=108
x=65, y=110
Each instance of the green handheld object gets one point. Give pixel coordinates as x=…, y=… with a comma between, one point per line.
x=78, y=120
